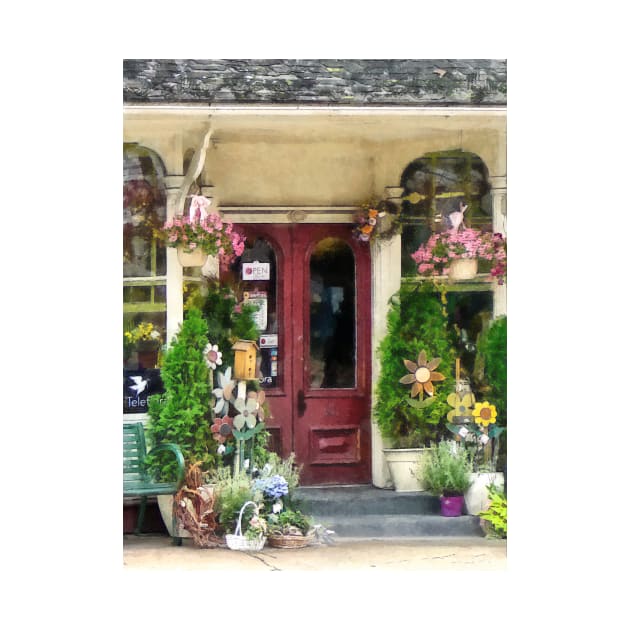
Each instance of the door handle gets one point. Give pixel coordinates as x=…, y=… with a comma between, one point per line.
x=301, y=403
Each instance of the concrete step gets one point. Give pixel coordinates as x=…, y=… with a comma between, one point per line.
x=401, y=526
x=356, y=500
x=366, y=511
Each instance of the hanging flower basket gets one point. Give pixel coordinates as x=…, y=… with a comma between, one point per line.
x=199, y=234
x=462, y=269
x=196, y=258
x=238, y=542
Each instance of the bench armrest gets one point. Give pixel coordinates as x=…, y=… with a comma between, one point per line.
x=181, y=467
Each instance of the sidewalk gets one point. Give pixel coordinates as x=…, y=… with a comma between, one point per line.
x=158, y=552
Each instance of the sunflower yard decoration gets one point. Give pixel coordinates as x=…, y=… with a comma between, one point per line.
x=484, y=413
x=422, y=375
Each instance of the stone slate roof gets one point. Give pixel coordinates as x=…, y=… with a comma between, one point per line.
x=419, y=82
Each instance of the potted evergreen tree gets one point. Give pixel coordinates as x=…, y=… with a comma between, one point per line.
x=416, y=324
x=183, y=416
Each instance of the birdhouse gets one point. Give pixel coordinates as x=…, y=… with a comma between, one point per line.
x=244, y=360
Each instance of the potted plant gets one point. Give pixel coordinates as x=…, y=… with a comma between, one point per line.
x=201, y=234
x=446, y=473
x=288, y=527
x=457, y=251
x=146, y=340
x=416, y=324
x=494, y=519
x=182, y=414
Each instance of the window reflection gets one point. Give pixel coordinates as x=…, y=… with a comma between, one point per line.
x=332, y=315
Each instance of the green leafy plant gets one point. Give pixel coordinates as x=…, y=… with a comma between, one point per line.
x=496, y=514
x=289, y=522
x=231, y=492
x=493, y=349
x=416, y=321
x=185, y=416
x=446, y=469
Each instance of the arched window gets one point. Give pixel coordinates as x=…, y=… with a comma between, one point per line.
x=434, y=185
x=144, y=260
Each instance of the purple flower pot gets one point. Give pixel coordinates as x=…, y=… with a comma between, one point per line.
x=451, y=506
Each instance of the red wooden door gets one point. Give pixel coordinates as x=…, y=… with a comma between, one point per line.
x=315, y=346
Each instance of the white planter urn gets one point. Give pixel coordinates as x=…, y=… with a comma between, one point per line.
x=404, y=467
x=165, y=503
x=476, y=497
x=196, y=258
x=462, y=269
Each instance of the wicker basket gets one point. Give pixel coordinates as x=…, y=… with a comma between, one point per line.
x=290, y=541
x=238, y=542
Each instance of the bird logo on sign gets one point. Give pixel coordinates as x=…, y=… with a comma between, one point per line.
x=140, y=384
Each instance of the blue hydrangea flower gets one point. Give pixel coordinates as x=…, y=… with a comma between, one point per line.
x=274, y=487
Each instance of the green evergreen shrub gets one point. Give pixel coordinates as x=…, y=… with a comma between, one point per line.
x=185, y=416
x=493, y=347
x=415, y=322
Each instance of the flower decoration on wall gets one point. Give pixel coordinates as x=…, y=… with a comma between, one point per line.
x=223, y=393
x=222, y=429
x=213, y=356
x=484, y=413
x=376, y=219
x=422, y=375
x=435, y=256
x=247, y=413
x=462, y=406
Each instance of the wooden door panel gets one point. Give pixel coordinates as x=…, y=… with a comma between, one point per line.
x=325, y=424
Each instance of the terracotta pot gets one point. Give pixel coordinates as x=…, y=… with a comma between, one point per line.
x=147, y=359
x=462, y=269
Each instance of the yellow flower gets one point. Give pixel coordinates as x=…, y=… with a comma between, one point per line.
x=485, y=413
x=462, y=405
x=421, y=375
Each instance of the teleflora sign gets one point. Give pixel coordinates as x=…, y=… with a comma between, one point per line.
x=138, y=385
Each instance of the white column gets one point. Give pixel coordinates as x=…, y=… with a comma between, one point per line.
x=385, y=282
x=174, y=271
x=499, y=223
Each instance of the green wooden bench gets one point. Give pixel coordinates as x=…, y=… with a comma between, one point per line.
x=136, y=480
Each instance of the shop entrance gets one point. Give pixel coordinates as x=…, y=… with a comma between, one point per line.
x=311, y=284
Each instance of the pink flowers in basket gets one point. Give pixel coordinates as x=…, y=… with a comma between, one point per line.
x=202, y=230
x=435, y=256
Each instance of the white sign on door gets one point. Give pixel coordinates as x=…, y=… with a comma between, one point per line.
x=256, y=271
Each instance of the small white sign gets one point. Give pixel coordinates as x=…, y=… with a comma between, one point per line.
x=268, y=341
x=259, y=300
x=463, y=432
x=256, y=271
x=484, y=439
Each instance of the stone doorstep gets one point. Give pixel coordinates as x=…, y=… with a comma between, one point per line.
x=366, y=511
